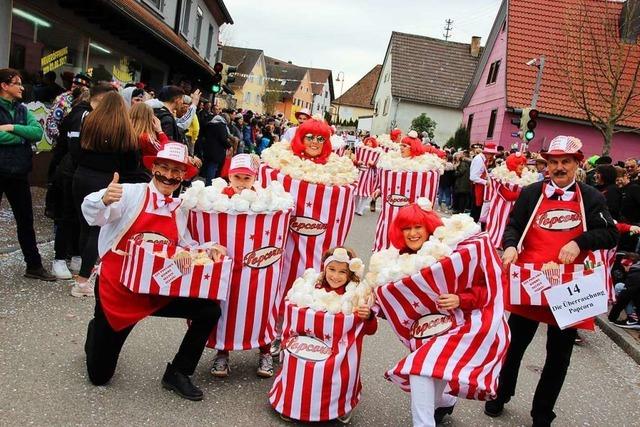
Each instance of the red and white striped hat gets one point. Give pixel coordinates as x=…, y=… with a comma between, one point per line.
x=564, y=146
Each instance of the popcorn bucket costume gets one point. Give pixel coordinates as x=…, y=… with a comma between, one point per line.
x=366, y=157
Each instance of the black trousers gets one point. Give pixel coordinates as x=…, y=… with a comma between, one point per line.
x=559, y=348
x=67, y=238
x=103, y=344
x=475, y=210
x=629, y=294
x=18, y=193
x=461, y=201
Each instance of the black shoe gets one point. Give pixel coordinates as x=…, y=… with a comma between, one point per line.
x=40, y=273
x=372, y=205
x=493, y=408
x=181, y=384
x=439, y=413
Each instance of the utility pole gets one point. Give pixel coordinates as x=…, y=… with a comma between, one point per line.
x=447, y=29
x=536, y=90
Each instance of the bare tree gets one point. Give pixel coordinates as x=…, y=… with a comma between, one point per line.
x=599, y=58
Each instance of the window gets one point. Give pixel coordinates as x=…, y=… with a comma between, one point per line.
x=385, y=108
x=185, y=17
x=257, y=98
x=386, y=77
x=198, y=26
x=375, y=110
x=493, y=72
x=492, y=123
x=156, y=4
x=469, y=123
x=247, y=97
x=209, y=40
x=504, y=26
x=326, y=94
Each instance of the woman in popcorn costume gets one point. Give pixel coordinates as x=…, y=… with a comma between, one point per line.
x=242, y=176
x=366, y=170
x=145, y=212
x=337, y=290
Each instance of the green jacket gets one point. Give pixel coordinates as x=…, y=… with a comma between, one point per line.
x=32, y=131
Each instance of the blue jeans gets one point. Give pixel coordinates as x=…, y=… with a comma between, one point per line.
x=209, y=171
x=444, y=196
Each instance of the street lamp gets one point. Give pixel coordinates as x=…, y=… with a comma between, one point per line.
x=341, y=80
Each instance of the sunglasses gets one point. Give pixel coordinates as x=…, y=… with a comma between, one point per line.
x=309, y=138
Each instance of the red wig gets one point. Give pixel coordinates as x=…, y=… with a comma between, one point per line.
x=514, y=161
x=415, y=144
x=314, y=127
x=370, y=141
x=409, y=216
x=394, y=134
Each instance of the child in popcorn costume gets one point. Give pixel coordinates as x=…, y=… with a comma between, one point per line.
x=146, y=212
x=411, y=228
x=242, y=176
x=337, y=290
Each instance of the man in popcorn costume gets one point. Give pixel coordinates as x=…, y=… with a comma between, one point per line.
x=478, y=176
x=472, y=311
x=531, y=236
x=144, y=212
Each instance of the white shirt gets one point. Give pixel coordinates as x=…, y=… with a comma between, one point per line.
x=116, y=218
x=289, y=134
x=478, y=167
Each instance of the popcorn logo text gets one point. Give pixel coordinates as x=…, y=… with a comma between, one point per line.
x=307, y=226
x=559, y=219
x=263, y=257
x=431, y=325
x=397, y=200
x=308, y=348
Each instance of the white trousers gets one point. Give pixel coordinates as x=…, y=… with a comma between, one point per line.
x=427, y=394
x=361, y=204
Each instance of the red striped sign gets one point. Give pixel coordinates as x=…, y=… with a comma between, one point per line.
x=464, y=349
x=367, y=176
x=255, y=242
x=209, y=281
x=519, y=272
x=499, y=209
x=320, y=375
x=322, y=220
x=399, y=188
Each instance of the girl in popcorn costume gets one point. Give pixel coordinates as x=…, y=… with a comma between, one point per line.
x=333, y=309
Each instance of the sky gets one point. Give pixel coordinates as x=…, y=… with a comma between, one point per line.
x=348, y=35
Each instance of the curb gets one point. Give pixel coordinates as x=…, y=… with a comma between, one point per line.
x=625, y=341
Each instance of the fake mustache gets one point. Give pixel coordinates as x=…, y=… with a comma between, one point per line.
x=166, y=181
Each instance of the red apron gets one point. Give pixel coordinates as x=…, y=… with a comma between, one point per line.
x=478, y=190
x=542, y=245
x=122, y=307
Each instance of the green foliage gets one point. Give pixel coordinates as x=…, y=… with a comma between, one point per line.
x=460, y=139
x=423, y=123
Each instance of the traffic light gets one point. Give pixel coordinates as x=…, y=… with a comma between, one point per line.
x=228, y=77
x=216, y=88
x=531, y=124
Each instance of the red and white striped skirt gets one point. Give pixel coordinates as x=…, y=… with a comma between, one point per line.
x=464, y=349
x=322, y=219
x=367, y=173
x=398, y=189
x=256, y=244
x=320, y=375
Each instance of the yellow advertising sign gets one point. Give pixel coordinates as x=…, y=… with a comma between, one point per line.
x=121, y=72
x=54, y=60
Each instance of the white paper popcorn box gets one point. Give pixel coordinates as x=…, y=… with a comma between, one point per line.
x=321, y=220
x=367, y=175
x=256, y=243
x=465, y=350
x=520, y=274
x=499, y=208
x=398, y=189
x=320, y=375
x=144, y=271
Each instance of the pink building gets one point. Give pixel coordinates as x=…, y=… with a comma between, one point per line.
x=504, y=82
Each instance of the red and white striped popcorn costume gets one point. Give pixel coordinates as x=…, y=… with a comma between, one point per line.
x=256, y=242
x=500, y=197
x=367, y=174
x=321, y=220
x=340, y=151
x=318, y=390
x=398, y=189
x=210, y=281
x=470, y=354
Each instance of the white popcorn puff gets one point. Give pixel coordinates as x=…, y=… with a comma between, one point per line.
x=503, y=174
x=393, y=160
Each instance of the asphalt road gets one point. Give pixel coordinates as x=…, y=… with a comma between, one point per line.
x=43, y=380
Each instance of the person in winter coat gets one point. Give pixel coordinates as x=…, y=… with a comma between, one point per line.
x=212, y=146
x=171, y=98
x=627, y=296
x=462, y=185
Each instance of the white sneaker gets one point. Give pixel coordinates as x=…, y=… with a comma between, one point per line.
x=80, y=290
x=75, y=264
x=60, y=270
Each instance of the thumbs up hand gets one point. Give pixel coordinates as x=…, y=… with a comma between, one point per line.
x=114, y=191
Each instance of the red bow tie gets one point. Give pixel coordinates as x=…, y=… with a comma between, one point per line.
x=170, y=202
x=558, y=192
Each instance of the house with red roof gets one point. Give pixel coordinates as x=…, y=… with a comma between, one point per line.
x=504, y=80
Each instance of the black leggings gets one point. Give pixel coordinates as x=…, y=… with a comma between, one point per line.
x=85, y=182
x=103, y=344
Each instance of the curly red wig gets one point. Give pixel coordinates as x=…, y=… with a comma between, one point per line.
x=314, y=127
x=370, y=141
x=409, y=216
x=515, y=160
x=415, y=144
x=395, y=134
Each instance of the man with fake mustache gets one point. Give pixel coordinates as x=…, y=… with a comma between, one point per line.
x=559, y=221
x=144, y=212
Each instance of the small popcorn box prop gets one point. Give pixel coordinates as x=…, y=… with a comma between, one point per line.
x=322, y=219
x=320, y=375
x=367, y=176
x=464, y=349
x=255, y=242
x=149, y=269
x=500, y=206
x=398, y=189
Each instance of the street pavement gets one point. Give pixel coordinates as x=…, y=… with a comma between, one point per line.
x=43, y=379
